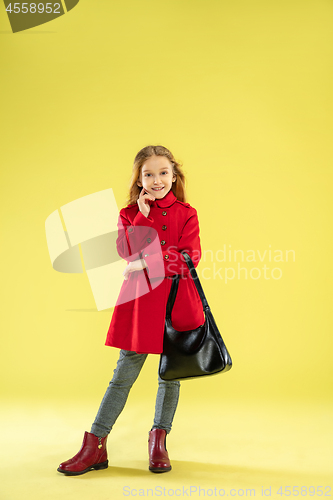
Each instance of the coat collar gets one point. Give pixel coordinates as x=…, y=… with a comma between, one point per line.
x=168, y=200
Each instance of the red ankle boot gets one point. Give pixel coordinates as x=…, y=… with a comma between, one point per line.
x=92, y=455
x=158, y=455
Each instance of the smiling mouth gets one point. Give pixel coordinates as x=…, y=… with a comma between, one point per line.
x=158, y=189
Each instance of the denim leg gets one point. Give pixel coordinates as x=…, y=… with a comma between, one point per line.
x=166, y=403
x=125, y=374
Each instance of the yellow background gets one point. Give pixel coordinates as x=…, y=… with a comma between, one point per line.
x=241, y=93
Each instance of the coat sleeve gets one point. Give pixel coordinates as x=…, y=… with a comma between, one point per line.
x=132, y=237
x=174, y=262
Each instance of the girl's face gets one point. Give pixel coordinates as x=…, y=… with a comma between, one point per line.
x=156, y=173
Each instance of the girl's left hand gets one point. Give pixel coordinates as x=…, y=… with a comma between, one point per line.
x=135, y=265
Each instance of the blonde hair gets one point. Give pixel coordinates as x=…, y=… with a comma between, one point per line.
x=178, y=187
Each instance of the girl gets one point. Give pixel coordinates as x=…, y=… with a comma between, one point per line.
x=153, y=229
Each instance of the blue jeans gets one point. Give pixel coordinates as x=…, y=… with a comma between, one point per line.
x=125, y=374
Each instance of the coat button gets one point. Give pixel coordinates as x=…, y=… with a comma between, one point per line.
x=166, y=257
x=146, y=255
x=148, y=240
x=164, y=228
x=130, y=229
x=163, y=242
x=164, y=212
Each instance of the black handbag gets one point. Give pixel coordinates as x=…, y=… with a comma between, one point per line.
x=193, y=353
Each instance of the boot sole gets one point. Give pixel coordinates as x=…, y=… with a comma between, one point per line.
x=102, y=465
x=156, y=469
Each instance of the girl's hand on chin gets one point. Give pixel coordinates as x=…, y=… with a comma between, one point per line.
x=143, y=202
x=135, y=265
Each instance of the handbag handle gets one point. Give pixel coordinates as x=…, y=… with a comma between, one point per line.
x=172, y=295
x=174, y=287
x=196, y=281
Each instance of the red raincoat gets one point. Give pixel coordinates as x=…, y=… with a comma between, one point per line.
x=138, y=318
